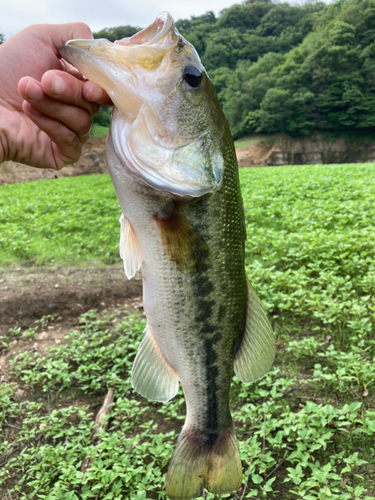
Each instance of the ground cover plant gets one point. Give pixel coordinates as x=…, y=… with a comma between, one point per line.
x=306, y=431
x=69, y=219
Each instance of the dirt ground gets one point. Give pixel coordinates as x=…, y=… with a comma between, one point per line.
x=92, y=161
x=29, y=293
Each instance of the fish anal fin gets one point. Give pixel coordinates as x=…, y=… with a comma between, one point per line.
x=130, y=251
x=152, y=376
x=196, y=465
x=257, y=349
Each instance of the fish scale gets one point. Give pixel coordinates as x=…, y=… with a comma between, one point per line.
x=173, y=165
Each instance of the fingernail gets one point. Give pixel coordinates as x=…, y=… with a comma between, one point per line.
x=58, y=85
x=29, y=109
x=92, y=93
x=33, y=91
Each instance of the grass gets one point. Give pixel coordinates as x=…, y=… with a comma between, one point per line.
x=98, y=131
x=59, y=221
x=244, y=142
x=306, y=430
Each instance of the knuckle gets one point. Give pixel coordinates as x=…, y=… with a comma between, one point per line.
x=86, y=124
x=77, y=153
x=94, y=109
x=82, y=29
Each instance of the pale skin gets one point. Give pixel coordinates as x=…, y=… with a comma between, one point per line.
x=45, y=104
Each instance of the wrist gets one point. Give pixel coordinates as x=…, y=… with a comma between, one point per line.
x=3, y=139
x=9, y=134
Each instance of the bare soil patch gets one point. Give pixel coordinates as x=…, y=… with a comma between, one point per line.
x=29, y=293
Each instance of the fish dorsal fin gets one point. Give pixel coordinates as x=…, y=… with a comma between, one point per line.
x=152, y=376
x=129, y=248
x=257, y=349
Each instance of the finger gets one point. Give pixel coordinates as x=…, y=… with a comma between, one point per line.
x=79, y=93
x=66, y=88
x=94, y=93
x=74, y=117
x=67, y=145
x=69, y=68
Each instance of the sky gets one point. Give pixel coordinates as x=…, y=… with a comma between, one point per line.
x=17, y=14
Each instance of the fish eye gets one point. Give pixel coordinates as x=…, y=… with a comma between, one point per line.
x=192, y=76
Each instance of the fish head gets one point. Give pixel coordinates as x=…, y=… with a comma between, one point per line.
x=167, y=128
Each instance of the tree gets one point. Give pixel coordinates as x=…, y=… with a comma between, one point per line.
x=113, y=34
x=223, y=48
x=290, y=68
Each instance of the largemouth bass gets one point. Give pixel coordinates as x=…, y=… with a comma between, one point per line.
x=173, y=165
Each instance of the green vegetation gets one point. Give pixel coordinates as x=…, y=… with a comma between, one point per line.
x=244, y=142
x=324, y=83
x=294, y=69
x=101, y=122
x=306, y=430
x=117, y=33
x=98, y=131
x=59, y=221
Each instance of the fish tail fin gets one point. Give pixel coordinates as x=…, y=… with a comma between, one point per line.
x=212, y=462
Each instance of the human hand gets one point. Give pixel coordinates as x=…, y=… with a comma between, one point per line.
x=45, y=122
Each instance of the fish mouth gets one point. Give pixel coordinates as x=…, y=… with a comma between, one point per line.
x=160, y=33
x=146, y=48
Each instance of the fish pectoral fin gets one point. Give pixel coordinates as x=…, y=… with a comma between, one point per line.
x=130, y=251
x=257, y=349
x=152, y=376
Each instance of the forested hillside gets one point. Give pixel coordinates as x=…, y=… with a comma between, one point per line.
x=283, y=68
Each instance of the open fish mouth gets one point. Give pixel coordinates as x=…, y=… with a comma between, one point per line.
x=146, y=48
x=161, y=33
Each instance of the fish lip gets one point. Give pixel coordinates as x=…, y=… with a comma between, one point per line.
x=82, y=44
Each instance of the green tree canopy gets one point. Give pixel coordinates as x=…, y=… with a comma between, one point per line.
x=289, y=68
x=326, y=82
x=113, y=34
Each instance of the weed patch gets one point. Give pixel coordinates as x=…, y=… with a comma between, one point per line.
x=306, y=430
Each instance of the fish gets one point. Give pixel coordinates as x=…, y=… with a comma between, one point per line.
x=172, y=161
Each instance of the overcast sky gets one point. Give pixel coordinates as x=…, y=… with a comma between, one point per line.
x=17, y=14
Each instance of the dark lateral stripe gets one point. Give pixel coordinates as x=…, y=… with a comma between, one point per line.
x=181, y=242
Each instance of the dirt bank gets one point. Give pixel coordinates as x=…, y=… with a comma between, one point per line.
x=92, y=161
x=280, y=149
x=258, y=150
